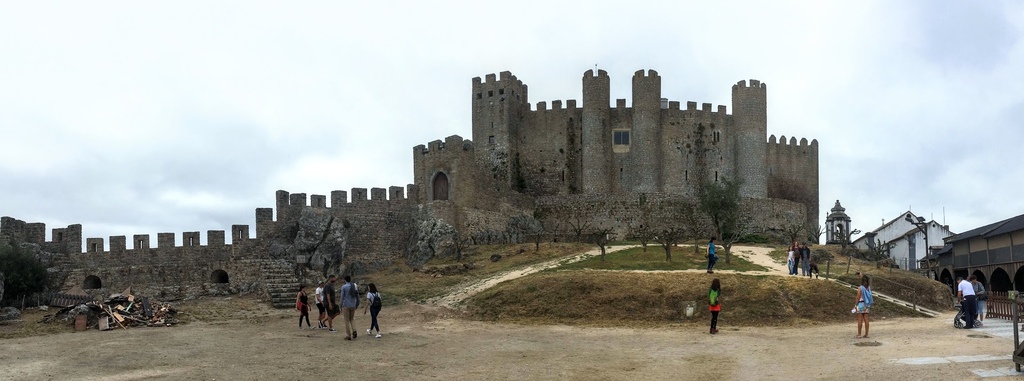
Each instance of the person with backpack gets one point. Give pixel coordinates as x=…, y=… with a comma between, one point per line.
x=373, y=304
x=863, y=306
x=349, y=301
x=715, y=303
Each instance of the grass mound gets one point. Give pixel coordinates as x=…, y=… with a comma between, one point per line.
x=612, y=298
x=401, y=282
x=901, y=284
x=683, y=258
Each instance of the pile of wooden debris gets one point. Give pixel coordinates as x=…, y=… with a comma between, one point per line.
x=122, y=310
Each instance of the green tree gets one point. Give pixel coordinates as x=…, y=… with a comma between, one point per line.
x=720, y=201
x=23, y=272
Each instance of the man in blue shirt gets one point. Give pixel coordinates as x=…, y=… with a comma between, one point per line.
x=349, y=301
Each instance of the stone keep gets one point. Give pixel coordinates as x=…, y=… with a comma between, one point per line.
x=653, y=146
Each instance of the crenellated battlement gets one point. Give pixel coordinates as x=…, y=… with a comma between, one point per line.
x=504, y=87
x=450, y=144
x=791, y=142
x=754, y=84
x=165, y=241
x=649, y=74
x=590, y=74
x=556, y=105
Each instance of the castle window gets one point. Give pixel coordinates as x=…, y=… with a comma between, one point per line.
x=490, y=140
x=479, y=95
x=716, y=176
x=501, y=91
x=490, y=93
x=686, y=175
x=620, y=137
x=717, y=136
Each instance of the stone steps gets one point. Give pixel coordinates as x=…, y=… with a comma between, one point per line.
x=280, y=283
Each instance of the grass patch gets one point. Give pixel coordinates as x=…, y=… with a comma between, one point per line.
x=29, y=325
x=403, y=283
x=610, y=298
x=900, y=284
x=683, y=258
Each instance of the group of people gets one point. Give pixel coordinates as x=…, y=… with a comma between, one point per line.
x=331, y=302
x=801, y=253
x=972, y=296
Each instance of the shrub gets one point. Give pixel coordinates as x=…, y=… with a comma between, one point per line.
x=23, y=272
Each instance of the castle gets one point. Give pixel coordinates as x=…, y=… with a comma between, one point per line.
x=592, y=161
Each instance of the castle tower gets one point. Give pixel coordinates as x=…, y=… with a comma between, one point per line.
x=750, y=117
x=597, y=132
x=498, y=107
x=645, y=150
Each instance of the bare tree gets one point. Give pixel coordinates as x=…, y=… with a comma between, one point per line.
x=601, y=236
x=459, y=243
x=814, y=232
x=640, y=229
x=793, y=227
x=579, y=224
x=720, y=201
x=667, y=237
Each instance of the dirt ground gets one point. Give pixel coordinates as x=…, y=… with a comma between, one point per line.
x=435, y=343
x=242, y=339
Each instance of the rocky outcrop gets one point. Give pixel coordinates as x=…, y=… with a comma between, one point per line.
x=9, y=313
x=432, y=238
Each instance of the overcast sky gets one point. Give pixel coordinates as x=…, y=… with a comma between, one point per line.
x=147, y=117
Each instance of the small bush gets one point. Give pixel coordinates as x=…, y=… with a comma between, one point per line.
x=754, y=238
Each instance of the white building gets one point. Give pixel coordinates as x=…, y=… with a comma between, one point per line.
x=904, y=239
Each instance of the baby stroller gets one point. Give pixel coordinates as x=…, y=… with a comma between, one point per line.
x=960, y=320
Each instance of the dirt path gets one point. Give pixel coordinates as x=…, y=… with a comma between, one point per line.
x=465, y=291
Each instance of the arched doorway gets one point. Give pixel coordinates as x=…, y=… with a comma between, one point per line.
x=440, y=186
x=92, y=282
x=219, y=276
x=1018, y=279
x=1000, y=281
x=981, y=277
x=946, y=278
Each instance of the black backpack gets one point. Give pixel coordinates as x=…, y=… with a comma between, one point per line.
x=376, y=300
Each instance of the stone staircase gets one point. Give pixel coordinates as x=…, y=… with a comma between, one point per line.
x=898, y=302
x=280, y=282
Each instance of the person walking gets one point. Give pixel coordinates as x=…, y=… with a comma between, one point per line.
x=968, y=301
x=373, y=303
x=318, y=294
x=715, y=303
x=349, y=302
x=862, y=308
x=330, y=303
x=302, y=304
x=982, y=296
x=712, y=258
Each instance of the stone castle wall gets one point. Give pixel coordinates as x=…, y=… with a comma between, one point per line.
x=561, y=161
